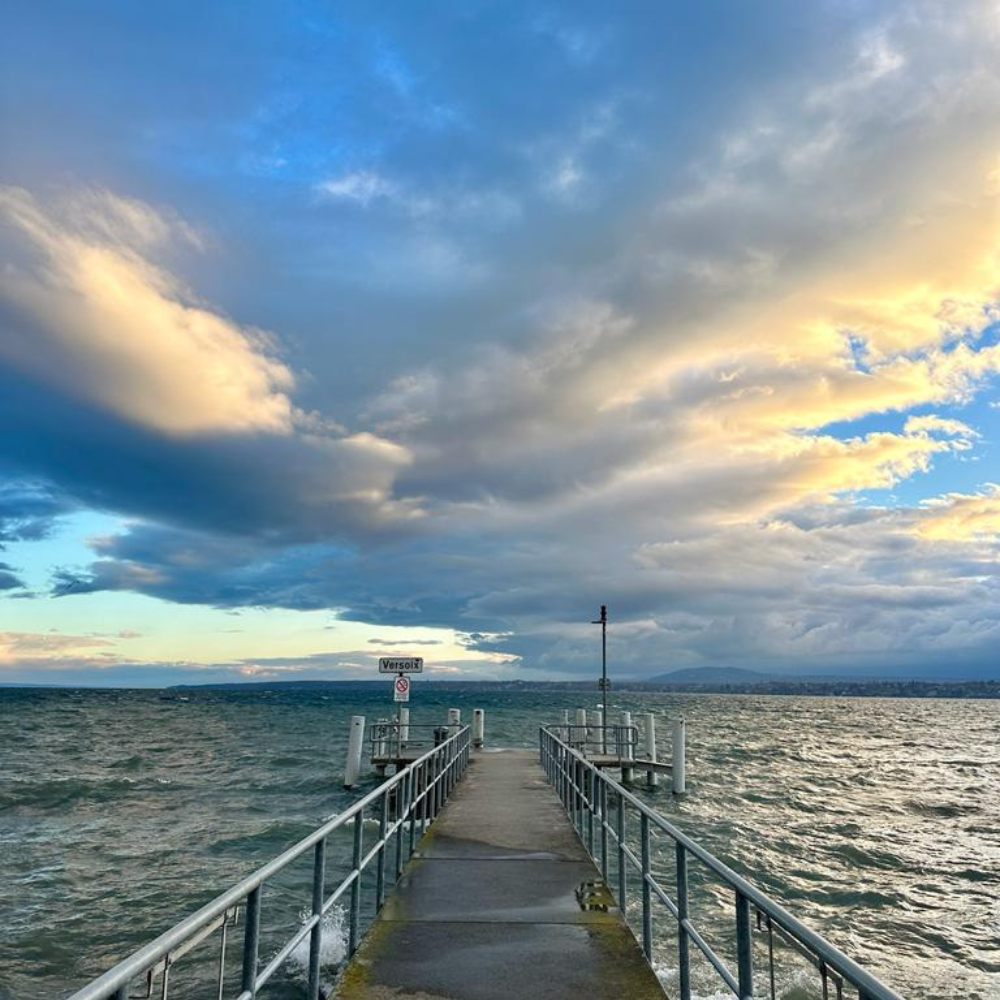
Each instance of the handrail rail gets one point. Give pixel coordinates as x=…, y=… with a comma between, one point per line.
x=423, y=787
x=584, y=788
x=614, y=739
x=388, y=737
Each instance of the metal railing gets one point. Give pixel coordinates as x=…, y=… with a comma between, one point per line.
x=388, y=739
x=598, y=807
x=612, y=740
x=403, y=805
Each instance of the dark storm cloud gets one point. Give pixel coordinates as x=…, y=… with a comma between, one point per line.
x=283, y=488
x=8, y=578
x=28, y=510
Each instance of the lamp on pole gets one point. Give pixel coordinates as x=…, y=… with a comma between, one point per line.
x=603, y=622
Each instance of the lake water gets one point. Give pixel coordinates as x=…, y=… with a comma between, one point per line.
x=876, y=821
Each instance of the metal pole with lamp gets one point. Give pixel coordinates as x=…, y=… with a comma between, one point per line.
x=603, y=683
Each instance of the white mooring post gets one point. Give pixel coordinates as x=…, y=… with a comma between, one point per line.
x=677, y=763
x=454, y=721
x=478, y=727
x=404, y=725
x=565, y=723
x=581, y=735
x=628, y=750
x=602, y=741
x=355, y=740
x=652, y=778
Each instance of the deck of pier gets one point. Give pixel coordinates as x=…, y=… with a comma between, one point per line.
x=500, y=901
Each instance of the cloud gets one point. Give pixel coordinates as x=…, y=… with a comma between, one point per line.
x=41, y=647
x=362, y=187
x=86, y=309
x=29, y=510
x=931, y=423
x=8, y=578
x=961, y=517
x=571, y=344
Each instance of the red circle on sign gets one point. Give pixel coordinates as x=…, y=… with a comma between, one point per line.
x=402, y=683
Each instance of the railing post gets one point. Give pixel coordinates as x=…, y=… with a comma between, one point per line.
x=627, y=772
x=411, y=806
x=590, y=810
x=436, y=804
x=383, y=826
x=439, y=779
x=620, y=831
x=316, y=935
x=251, y=943
x=425, y=798
x=400, y=820
x=574, y=795
x=604, y=830
x=429, y=776
x=744, y=945
x=683, y=941
x=647, y=900
x=570, y=805
x=581, y=802
x=355, y=918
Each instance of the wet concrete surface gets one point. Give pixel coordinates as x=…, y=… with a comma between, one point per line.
x=500, y=901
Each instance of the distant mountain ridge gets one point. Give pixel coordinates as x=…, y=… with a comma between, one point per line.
x=711, y=675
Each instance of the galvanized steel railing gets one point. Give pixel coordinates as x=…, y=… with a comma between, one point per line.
x=597, y=806
x=403, y=805
x=388, y=739
x=611, y=740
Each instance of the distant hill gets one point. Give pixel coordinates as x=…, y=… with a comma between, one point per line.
x=710, y=675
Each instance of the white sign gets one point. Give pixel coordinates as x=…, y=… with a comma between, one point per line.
x=401, y=688
x=401, y=665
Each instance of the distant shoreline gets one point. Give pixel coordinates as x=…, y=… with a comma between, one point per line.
x=826, y=688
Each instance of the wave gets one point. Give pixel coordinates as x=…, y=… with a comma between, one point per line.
x=332, y=948
x=54, y=793
x=280, y=834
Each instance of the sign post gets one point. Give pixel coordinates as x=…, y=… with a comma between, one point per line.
x=401, y=689
x=402, y=667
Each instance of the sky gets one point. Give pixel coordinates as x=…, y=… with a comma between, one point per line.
x=330, y=331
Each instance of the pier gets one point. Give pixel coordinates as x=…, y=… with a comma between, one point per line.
x=500, y=900
x=496, y=874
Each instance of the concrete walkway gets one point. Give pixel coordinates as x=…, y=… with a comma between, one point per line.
x=491, y=907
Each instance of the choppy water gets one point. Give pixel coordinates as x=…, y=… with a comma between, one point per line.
x=875, y=821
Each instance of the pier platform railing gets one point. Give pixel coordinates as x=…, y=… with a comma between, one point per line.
x=403, y=806
x=618, y=741
x=390, y=739
x=606, y=815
